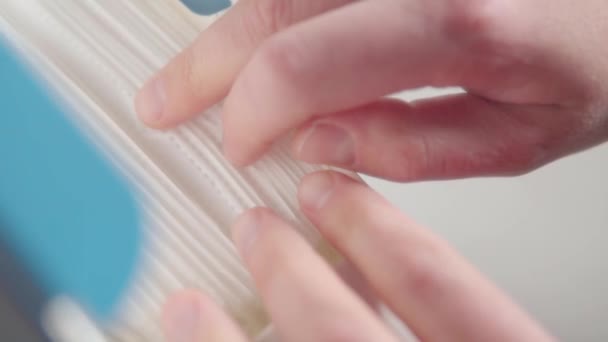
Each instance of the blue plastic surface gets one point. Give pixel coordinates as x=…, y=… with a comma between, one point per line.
x=207, y=7
x=65, y=211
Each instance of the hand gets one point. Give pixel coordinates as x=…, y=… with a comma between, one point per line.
x=426, y=283
x=536, y=75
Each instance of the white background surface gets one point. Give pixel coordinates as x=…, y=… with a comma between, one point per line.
x=542, y=237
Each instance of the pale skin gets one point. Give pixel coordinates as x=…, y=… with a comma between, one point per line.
x=536, y=80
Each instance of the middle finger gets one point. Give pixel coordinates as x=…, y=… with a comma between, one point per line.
x=304, y=297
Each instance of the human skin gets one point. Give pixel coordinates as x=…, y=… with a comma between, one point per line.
x=536, y=75
x=536, y=81
x=415, y=273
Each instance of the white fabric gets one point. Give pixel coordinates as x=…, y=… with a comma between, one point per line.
x=95, y=54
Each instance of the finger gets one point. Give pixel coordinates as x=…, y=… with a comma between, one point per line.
x=451, y=137
x=201, y=75
x=332, y=62
x=189, y=316
x=355, y=280
x=304, y=297
x=438, y=294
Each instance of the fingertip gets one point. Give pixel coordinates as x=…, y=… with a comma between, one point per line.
x=315, y=190
x=325, y=142
x=178, y=300
x=236, y=156
x=299, y=138
x=246, y=227
x=150, y=102
x=190, y=315
x=183, y=315
x=238, y=138
x=240, y=145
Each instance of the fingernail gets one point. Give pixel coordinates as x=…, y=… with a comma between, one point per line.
x=185, y=321
x=316, y=190
x=151, y=101
x=246, y=231
x=328, y=144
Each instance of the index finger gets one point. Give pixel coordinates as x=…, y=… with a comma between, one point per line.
x=202, y=74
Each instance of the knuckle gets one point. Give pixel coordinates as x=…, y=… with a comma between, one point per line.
x=525, y=147
x=404, y=172
x=415, y=161
x=473, y=16
x=427, y=158
x=485, y=26
x=518, y=159
x=507, y=159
